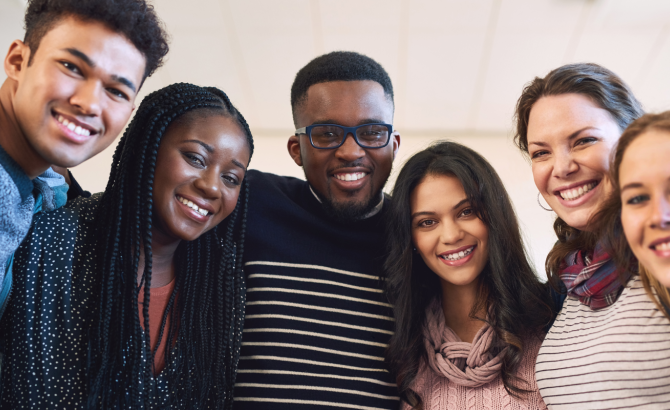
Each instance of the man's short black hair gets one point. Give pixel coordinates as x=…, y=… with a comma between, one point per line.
x=338, y=66
x=135, y=19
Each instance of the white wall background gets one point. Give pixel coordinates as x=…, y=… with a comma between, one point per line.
x=457, y=67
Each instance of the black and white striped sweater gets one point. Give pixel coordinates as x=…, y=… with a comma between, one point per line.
x=317, y=322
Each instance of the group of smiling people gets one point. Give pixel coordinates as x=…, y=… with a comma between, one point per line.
x=192, y=282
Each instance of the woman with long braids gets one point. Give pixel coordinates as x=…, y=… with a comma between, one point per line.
x=596, y=353
x=136, y=300
x=470, y=312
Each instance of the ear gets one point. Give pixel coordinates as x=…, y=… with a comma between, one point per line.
x=395, y=139
x=293, y=147
x=16, y=59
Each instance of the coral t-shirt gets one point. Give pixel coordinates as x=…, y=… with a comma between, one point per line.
x=157, y=303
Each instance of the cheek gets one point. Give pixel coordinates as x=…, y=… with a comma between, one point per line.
x=424, y=242
x=541, y=172
x=229, y=199
x=481, y=232
x=596, y=159
x=383, y=158
x=633, y=226
x=115, y=118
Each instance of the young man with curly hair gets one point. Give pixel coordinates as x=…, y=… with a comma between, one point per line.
x=70, y=89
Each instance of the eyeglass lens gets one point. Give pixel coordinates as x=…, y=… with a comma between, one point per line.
x=326, y=136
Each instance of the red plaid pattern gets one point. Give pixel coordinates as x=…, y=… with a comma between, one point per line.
x=595, y=281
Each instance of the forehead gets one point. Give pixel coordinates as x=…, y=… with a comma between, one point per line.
x=558, y=116
x=437, y=192
x=104, y=46
x=652, y=149
x=345, y=102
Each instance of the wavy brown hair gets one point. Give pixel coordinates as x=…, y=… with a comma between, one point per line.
x=608, y=219
x=511, y=293
x=608, y=91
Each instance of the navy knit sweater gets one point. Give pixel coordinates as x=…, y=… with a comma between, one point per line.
x=317, y=322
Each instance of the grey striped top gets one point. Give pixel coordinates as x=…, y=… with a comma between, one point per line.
x=613, y=358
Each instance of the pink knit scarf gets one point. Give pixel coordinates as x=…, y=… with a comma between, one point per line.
x=465, y=364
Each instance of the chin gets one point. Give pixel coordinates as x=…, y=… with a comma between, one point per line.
x=661, y=273
x=60, y=156
x=579, y=219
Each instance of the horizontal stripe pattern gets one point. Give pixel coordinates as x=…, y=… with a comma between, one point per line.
x=314, y=337
x=612, y=358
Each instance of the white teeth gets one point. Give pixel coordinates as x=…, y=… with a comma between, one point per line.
x=193, y=206
x=458, y=255
x=574, y=193
x=72, y=127
x=350, y=177
x=665, y=246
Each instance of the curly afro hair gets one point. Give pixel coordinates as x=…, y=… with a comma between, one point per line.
x=135, y=19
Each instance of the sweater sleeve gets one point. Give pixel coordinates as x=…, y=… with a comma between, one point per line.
x=16, y=208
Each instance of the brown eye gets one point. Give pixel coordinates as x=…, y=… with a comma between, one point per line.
x=71, y=67
x=538, y=154
x=194, y=160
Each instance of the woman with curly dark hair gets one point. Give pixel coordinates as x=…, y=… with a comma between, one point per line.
x=469, y=309
x=136, y=299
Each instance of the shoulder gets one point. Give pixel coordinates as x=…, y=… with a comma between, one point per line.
x=79, y=212
x=11, y=175
x=258, y=179
x=268, y=190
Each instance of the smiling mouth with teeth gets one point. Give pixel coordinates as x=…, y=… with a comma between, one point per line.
x=72, y=127
x=665, y=246
x=354, y=176
x=193, y=206
x=575, y=193
x=458, y=255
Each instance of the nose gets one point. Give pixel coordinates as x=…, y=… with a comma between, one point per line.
x=564, y=164
x=660, y=212
x=209, y=183
x=350, y=150
x=88, y=97
x=450, y=233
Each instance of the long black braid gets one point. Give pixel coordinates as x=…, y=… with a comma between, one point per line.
x=207, y=305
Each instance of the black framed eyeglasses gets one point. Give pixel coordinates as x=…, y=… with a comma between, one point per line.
x=331, y=136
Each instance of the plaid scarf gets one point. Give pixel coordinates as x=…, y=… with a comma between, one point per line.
x=594, y=280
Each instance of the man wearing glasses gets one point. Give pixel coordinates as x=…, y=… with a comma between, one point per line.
x=317, y=322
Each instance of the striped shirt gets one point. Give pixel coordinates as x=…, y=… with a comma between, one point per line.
x=612, y=358
x=317, y=322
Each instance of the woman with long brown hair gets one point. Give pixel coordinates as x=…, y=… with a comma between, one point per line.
x=470, y=312
x=594, y=355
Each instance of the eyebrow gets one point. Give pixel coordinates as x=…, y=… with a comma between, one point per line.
x=631, y=186
x=362, y=122
x=124, y=81
x=207, y=147
x=571, y=137
x=239, y=164
x=458, y=205
x=87, y=60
